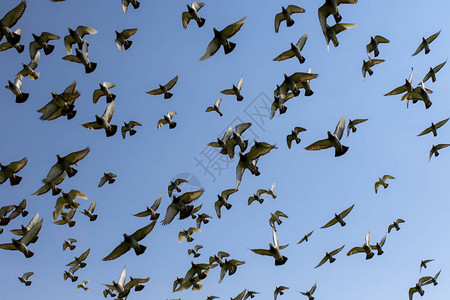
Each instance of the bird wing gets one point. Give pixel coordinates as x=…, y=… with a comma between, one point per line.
x=9, y=246
x=72, y=58
x=13, y=16
x=92, y=125
x=262, y=252
x=217, y=206
x=171, y=212
x=347, y=211
x=156, y=203
x=129, y=32
x=18, y=165
x=97, y=94
x=289, y=139
x=340, y=127
x=440, y=123
x=189, y=197
x=240, y=82
x=92, y=206
x=278, y=18
x=103, y=180
x=85, y=254
x=397, y=90
x=118, y=251
x=108, y=114
x=27, y=275
x=321, y=262
x=212, y=48
x=30, y=235
x=355, y=250
x=319, y=145
x=336, y=251
x=157, y=91
x=232, y=29
x=259, y=149
x=441, y=146
x=192, y=230
x=227, y=193
x=185, y=18
x=380, y=39
x=293, y=9
x=373, y=62
x=171, y=83
x=330, y=223
x=420, y=48
x=75, y=157
x=144, y=231
x=387, y=177
x=239, y=129
x=74, y=194
x=303, y=77
x=433, y=37
x=285, y=55
x=142, y=214
x=83, y=30
x=338, y=28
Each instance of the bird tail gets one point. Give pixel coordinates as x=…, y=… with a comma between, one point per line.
x=24, y=213
x=337, y=17
x=380, y=252
x=127, y=44
x=71, y=172
x=28, y=283
x=72, y=247
x=16, y=39
x=5, y=221
x=201, y=22
x=240, y=98
x=74, y=278
x=72, y=223
x=172, y=125
x=369, y=255
x=22, y=97
x=49, y=49
x=302, y=59
x=332, y=260
x=290, y=22
x=168, y=95
x=15, y=180
x=132, y=132
x=339, y=152
x=155, y=217
x=370, y=72
x=56, y=191
x=29, y=254
x=229, y=49
x=65, y=276
x=90, y=67
x=34, y=75
x=377, y=52
x=136, y=5
x=111, y=131
x=283, y=109
x=109, y=99
x=140, y=249
x=282, y=261
x=20, y=48
x=227, y=206
x=93, y=218
x=308, y=92
x=71, y=115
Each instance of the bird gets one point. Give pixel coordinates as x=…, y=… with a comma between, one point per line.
x=262, y=192
x=275, y=217
x=305, y=237
x=211, y=297
x=90, y=211
x=339, y=218
x=180, y=205
x=221, y=38
x=285, y=15
x=373, y=45
x=4, y=210
x=76, y=36
x=423, y=264
x=237, y=139
x=125, y=4
x=222, y=143
x=67, y=200
x=249, y=160
x=150, y=211
x=61, y=104
x=11, y=19
x=65, y=163
x=432, y=73
x=215, y=107
x=278, y=102
x=24, y=278
x=202, y=218
x=167, y=119
x=41, y=42
x=9, y=171
x=119, y=286
x=329, y=256
x=187, y=234
x=192, y=14
x=104, y=91
x=81, y=57
x=395, y=225
x=294, y=136
x=79, y=261
x=107, y=177
x=21, y=245
x=418, y=93
x=29, y=69
x=7, y=45
x=83, y=285
x=164, y=89
x=378, y=246
x=330, y=7
x=291, y=83
x=236, y=90
x=128, y=127
x=66, y=218
x=382, y=181
x=331, y=33
x=122, y=38
x=194, y=251
x=239, y=296
x=104, y=122
x=131, y=241
x=274, y=250
x=109, y=292
x=367, y=65
x=222, y=200
x=425, y=43
x=294, y=51
x=366, y=248
x=433, y=279
x=250, y=294
x=333, y=140
x=69, y=244
x=305, y=84
x=433, y=128
x=435, y=148
x=19, y=210
x=418, y=287
x=16, y=89
x=310, y=293
x=351, y=125
x=279, y=290
x=24, y=229
x=71, y=273
x=174, y=185
x=51, y=185
x=407, y=87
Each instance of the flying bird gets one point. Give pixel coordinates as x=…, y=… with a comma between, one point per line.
x=202, y=218
x=378, y=246
x=122, y=38
x=433, y=280
x=67, y=200
x=294, y=136
x=29, y=70
x=81, y=57
x=222, y=200
x=279, y=290
x=330, y=7
x=69, y=243
x=194, y=251
x=107, y=177
x=395, y=225
x=16, y=89
x=329, y=256
x=274, y=250
x=418, y=287
x=192, y=14
x=174, y=185
x=104, y=91
x=76, y=36
x=71, y=274
x=41, y=42
x=275, y=217
x=333, y=140
x=373, y=45
x=167, y=119
x=433, y=128
x=61, y=104
x=24, y=278
x=426, y=44
x=310, y=293
x=180, y=205
x=66, y=218
x=237, y=139
x=435, y=148
x=150, y=211
x=128, y=127
x=9, y=171
x=295, y=51
x=423, y=264
x=236, y=90
x=305, y=238
x=367, y=65
x=11, y=19
x=352, y=125
x=215, y=107
x=7, y=45
x=19, y=210
x=366, y=248
x=131, y=241
x=24, y=229
x=21, y=245
x=262, y=192
x=285, y=15
x=65, y=163
x=83, y=285
x=222, y=143
x=382, y=181
x=339, y=218
x=432, y=73
x=164, y=89
x=221, y=38
x=331, y=33
x=187, y=234
x=51, y=185
x=90, y=211
x=104, y=122
x=291, y=83
x=79, y=261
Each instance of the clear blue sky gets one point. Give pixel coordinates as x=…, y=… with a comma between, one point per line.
x=311, y=186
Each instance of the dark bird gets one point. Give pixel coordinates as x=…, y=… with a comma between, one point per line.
x=104, y=90
x=11, y=19
x=19, y=210
x=432, y=73
x=9, y=171
x=104, y=122
x=21, y=245
x=125, y=4
x=107, y=177
x=128, y=127
x=222, y=200
x=379, y=246
x=433, y=280
x=29, y=69
x=262, y=192
x=51, y=185
x=395, y=225
x=423, y=264
x=435, y=148
x=292, y=82
x=174, y=185
x=215, y=107
x=7, y=45
x=426, y=43
x=41, y=42
x=131, y=241
x=294, y=136
x=433, y=128
x=237, y=139
x=16, y=89
x=192, y=14
x=367, y=66
x=279, y=290
x=180, y=205
x=333, y=140
x=90, y=211
x=150, y=211
x=310, y=293
x=366, y=248
x=76, y=36
x=221, y=38
x=122, y=38
x=339, y=218
x=418, y=287
x=275, y=218
x=187, y=233
x=331, y=33
x=202, y=218
x=24, y=229
x=373, y=45
x=24, y=278
x=305, y=238
x=61, y=104
x=79, y=261
x=352, y=125
x=81, y=57
x=194, y=251
x=294, y=51
x=66, y=218
x=274, y=250
x=164, y=89
x=71, y=274
x=285, y=15
x=69, y=243
x=167, y=119
x=235, y=90
x=65, y=163
x=329, y=256
x=382, y=181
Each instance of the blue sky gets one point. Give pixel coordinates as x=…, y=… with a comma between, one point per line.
x=311, y=186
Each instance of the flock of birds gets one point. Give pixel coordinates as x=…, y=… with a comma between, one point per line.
x=182, y=203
